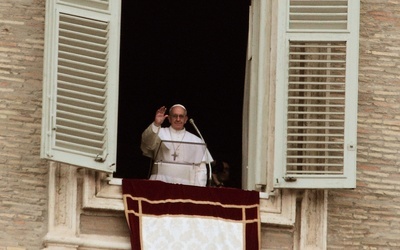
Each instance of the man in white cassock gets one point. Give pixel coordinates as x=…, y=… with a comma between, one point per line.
x=178, y=155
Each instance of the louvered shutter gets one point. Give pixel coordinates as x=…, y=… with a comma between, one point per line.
x=81, y=83
x=316, y=94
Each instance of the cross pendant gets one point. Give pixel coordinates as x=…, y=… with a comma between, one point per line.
x=175, y=155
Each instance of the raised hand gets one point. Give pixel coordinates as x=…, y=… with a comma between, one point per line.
x=160, y=116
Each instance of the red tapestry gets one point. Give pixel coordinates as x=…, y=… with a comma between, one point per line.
x=173, y=216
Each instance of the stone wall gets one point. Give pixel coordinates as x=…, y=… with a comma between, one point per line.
x=365, y=218
x=368, y=217
x=23, y=176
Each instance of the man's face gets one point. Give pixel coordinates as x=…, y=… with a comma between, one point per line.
x=177, y=118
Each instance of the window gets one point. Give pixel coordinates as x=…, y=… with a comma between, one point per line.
x=299, y=127
x=210, y=66
x=187, y=51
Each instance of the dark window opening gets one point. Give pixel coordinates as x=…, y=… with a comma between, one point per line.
x=188, y=52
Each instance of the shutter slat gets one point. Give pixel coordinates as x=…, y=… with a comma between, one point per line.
x=317, y=142
x=322, y=165
x=315, y=127
x=320, y=46
x=315, y=107
x=316, y=75
x=80, y=103
x=81, y=88
x=314, y=149
x=318, y=83
x=315, y=53
x=321, y=105
x=84, y=59
x=85, y=26
x=84, y=132
x=80, y=110
x=316, y=113
x=82, y=77
x=82, y=32
x=318, y=15
x=78, y=40
x=79, y=148
x=92, y=4
x=314, y=120
x=316, y=61
x=320, y=68
x=315, y=174
x=96, y=95
x=82, y=53
x=75, y=143
x=315, y=91
x=83, y=118
x=81, y=81
x=324, y=157
x=317, y=98
x=82, y=73
x=316, y=135
x=83, y=67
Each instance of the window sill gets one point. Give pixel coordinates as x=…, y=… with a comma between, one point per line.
x=101, y=192
x=105, y=193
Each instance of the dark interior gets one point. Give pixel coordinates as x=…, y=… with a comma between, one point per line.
x=188, y=52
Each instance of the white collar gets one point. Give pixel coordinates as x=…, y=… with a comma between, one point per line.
x=174, y=131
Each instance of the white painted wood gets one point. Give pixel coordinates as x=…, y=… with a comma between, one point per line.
x=309, y=168
x=80, y=87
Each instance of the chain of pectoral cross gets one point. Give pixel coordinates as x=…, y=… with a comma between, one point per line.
x=175, y=154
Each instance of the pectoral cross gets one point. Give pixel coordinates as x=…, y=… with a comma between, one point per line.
x=175, y=155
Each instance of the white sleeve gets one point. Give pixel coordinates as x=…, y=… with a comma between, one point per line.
x=150, y=140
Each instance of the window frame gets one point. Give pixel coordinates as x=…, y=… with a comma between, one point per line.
x=262, y=164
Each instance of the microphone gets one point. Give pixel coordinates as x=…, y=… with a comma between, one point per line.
x=197, y=130
x=209, y=163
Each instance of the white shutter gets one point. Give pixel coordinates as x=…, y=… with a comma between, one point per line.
x=81, y=83
x=316, y=94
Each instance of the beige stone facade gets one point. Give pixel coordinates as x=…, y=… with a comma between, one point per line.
x=23, y=176
x=36, y=205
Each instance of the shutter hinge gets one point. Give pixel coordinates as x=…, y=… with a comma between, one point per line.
x=290, y=179
x=100, y=158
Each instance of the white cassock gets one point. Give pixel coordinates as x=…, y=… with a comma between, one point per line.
x=181, y=158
